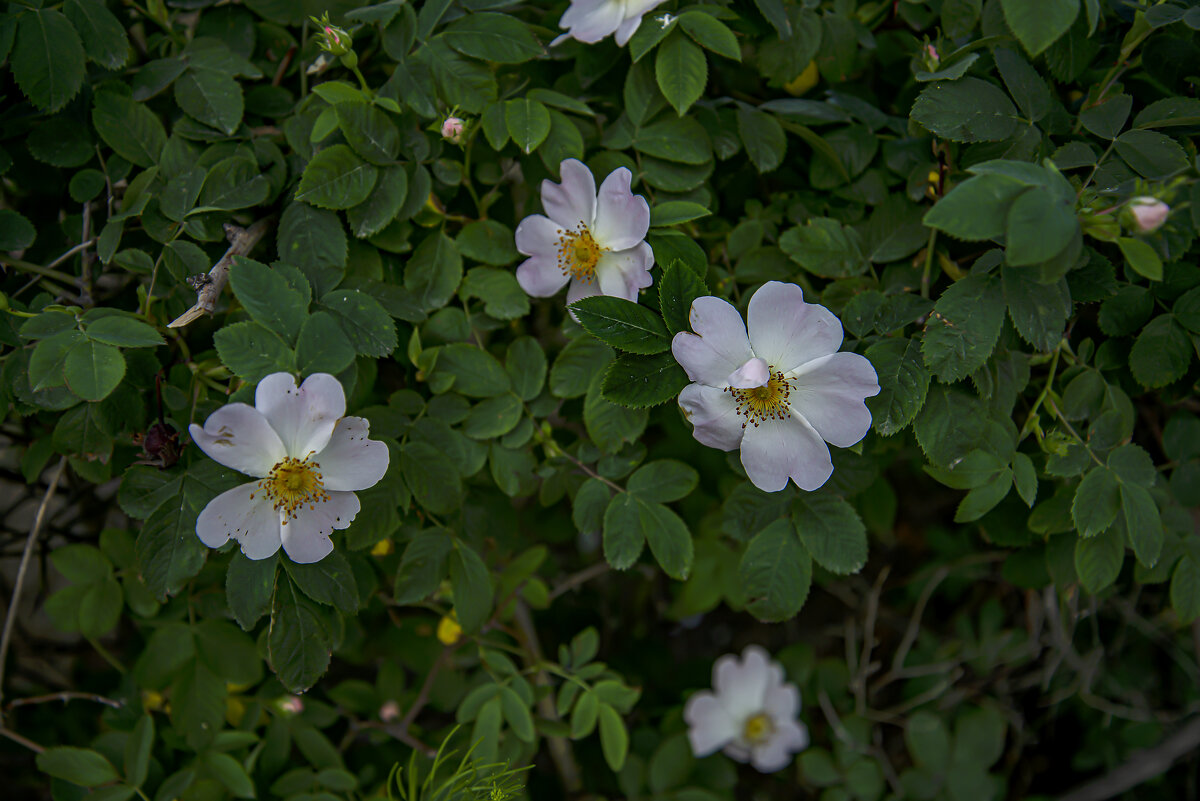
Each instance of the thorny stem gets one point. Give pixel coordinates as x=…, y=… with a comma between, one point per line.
x=1072, y=431
x=928, y=271
x=1041, y=398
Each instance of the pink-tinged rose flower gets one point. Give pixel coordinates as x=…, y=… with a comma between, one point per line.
x=1149, y=213
x=593, y=241
x=308, y=458
x=589, y=21
x=751, y=716
x=775, y=387
x=452, y=129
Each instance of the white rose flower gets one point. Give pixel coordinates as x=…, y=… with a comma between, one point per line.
x=1149, y=213
x=752, y=714
x=778, y=394
x=594, y=241
x=309, y=460
x=589, y=21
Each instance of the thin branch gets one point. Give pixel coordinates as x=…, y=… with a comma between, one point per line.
x=36, y=529
x=241, y=242
x=1141, y=767
x=25, y=741
x=577, y=579
x=66, y=696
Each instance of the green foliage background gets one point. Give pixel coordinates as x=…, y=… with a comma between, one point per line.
x=993, y=597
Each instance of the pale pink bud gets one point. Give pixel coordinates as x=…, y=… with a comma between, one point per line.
x=452, y=129
x=933, y=53
x=389, y=711
x=1149, y=213
x=292, y=704
x=332, y=35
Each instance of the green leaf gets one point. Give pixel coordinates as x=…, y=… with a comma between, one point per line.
x=639, y=382
x=336, y=178
x=622, y=324
x=268, y=297
x=369, y=131
x=48, y=59
x=517, y=715
x=1161, y=354
x=138, y=747
x=525, y=363
x=976, y=209
x=614, y=739
x=313, y=240
x=775, y=573
x=964, y=327
x=680, y=140
x=249, y=585
x=234, y=183
x=383, y=205
x=1108, y=118
x=576, y=366
x=624, y=535
x=423, y=565
x=16, y=231
x=502, y=296
x=966, y=110
x=212, y=97
x=927, y=740
x=826, y=248
x=763, y=136
x=123, y=332
x=832, y=532
x=681, y=71
x=1039, y=311
x=253, y=352
x=528, y=123
x=1097, y=502
x=1037, y=24
x=711, y=34
x=366, y=324
x=1143, y=523
x=103, y=36
x=298, y=643
x=322, y=346
x=1024, y=84
x=1141, y=257
x=903, y=384
x=669, y=538
x=663, y=480
x=80, y=766
x=476, y=372
x=129, y=128
x=493, y=417
x=673, y=212
x=1185, y=589
x=1098, y=559
x=230, y=773
x=678, y=287
x=980, y=500
x=1151, y=154
x=329, y=581
x=1040, y=225
x=487, y=241
x=93, y=369
x=472, y=587
x=493, y=37
x=434, y=271
x=434, y=482
x=198, y=699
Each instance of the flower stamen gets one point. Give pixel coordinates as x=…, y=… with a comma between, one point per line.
x=293, y=484
x=768, y=402
x=758, y=728
x=578, y=253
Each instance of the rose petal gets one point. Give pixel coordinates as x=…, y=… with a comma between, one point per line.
x=234, y=514
x=351, y=461
x=622, y=218
x=776, y=450
x=741, y=684
x=782, y=701
x=776, y=752
x=573, y=202
x=238, y=435
x=788, y=332
x=829, y=393
x=592, y=20
x=719, y=345
x=754, y=373
x=306, y=536
x=303, y=416
x=627, y=29
x=580, y=289
x=710, y=725
x=537, y=235
x=713, y=415
x=622, y=273
x=541, y=276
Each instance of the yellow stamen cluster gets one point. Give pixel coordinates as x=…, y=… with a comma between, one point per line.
x=578, y=253
x=768, y=402
x=758, y=728
x=293, y=484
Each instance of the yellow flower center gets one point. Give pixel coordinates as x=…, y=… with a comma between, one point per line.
x=768, y=402
x=293, y=484
x=758, y=728
x=578, y=253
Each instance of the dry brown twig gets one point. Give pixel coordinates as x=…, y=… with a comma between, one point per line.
x=241, y=242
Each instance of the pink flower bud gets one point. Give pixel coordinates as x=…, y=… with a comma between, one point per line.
x=389, y=711
x=933, y=53
x=332, y=34
x=1149, y=213
x=452, y=129
x=292, y=705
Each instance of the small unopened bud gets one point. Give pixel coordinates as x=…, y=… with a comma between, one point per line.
x=452, y=130
x=932, y=53
x=332, y=39
x=389, y=711
x=292, y=705
x=1147, y=213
